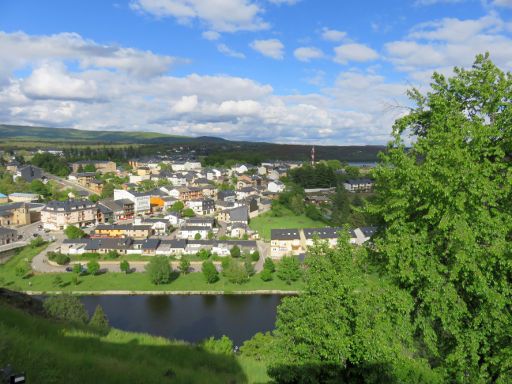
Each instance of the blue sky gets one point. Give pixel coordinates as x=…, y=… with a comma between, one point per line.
x=302, y=71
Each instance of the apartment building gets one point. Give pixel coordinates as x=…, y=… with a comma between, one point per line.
x=57, y=215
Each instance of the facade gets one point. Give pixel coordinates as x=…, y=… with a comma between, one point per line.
x=8, y=236
x=57, y=215
x=201, y=207
x=18, y=197
x=29, y=173
x=358, y=185
x=190, y=232
x=14, y=214
x=101, y=166
x=142, y=231
x=285, y=242
x=275, y=186
x=141, y=201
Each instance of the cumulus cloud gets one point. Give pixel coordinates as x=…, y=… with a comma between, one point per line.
x=308, y=53
x=219, y=15
x=21, y=49
x=354, y=52
x=333, y=35
x=223, y=48
x=271, y=48
x=186, y=104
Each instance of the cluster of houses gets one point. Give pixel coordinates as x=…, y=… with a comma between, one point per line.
x=286, y=242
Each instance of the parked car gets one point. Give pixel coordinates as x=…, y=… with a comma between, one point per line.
x=69, y=269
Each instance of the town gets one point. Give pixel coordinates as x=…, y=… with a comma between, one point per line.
x=166, y=205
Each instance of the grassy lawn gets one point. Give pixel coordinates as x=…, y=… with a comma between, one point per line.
x=50, y=351
x=121, y=282
x=265, y=222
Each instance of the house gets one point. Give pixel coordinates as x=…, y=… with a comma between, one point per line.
x=359, y=185
x=159, y=226
x=29, y=173
x=329, y=234
x=141, y=200
x=57, y=215
x=238, y=230
x=141, y=231
x=100, y=165
x=172, y=247
x=244, y=193
x=201, y=207
x=3, y=198
x=209, y=191
x=200, y=222
x=190, y=232
x=174, y=218
x=8, y=236
x=285, y=242
x=18, y=197
x=121, y=209
x=14, y=214
x=227, y=195
x=275, y=186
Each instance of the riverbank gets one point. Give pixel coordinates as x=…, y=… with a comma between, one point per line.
x=185, y=293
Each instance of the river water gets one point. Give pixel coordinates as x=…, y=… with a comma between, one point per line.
x=190, y=317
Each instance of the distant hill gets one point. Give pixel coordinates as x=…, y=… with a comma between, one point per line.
x=206, y=145
x=29, y=133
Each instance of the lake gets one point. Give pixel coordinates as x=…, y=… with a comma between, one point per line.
x=189, y=317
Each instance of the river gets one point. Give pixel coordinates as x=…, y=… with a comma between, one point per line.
x=190, y=317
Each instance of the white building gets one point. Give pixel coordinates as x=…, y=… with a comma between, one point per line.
x=141, y=201
x=275, y=186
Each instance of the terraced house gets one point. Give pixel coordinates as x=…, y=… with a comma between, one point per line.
x=57, y=215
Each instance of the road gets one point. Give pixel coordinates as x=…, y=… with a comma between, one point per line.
x=264, y=250
x=68, y=183
x=40, y=261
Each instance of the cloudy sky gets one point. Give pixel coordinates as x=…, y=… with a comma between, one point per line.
x=289, y=71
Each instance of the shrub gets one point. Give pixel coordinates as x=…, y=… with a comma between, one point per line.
x=93, y=267
x=99, y=320
x=184, y=265
x=249, y=268
x=235, y=251
x=225, y=263
x=224, y=345
x=259, y=347
x=58, y=257
x=37, y=242
x=236, y=273
x=288, y=269
x=73, y=232
x=269, y=264
x=204, y=254
x=124, y=265
x=210, y=272
x=112, y=255
x=266, y=275
x=159, y=270
x=255, y=256
x=66, y=307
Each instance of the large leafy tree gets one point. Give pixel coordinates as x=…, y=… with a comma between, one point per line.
x=445, y=205
x=348, y=325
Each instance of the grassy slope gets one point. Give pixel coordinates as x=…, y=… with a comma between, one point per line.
x=265, y=222
x=56, y=352
x=120, y=281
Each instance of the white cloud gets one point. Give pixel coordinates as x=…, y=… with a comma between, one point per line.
x=211, y=35
x=272, y=48
x=186, y=104
x=503, y=3
x=26, y=49
x=223, y=48
x=218, y=15
x=51, y=81
x=354, y=52
x=308, y=53
x=333, y=35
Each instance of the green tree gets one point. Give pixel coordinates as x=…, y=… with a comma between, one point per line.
x=210, y=272
x=108, y=190
x=346, y=325
x=112, y=254
x=99, y=319
x=184, y=265
x=73, y=232
x=210, y=235
x=188, y=212
x=223, y=346
x=235, y=251
x=340, y=206
x=259, y=347
x=266, y=275
x=77, y=268
x=445, y=206
x=249, y=268
x=89, y=168
x=124, y=265
x=289, y=269
x=93, y=267
x=66, y=307
x=269, y=264
x=94, y=198
x=255, y=256
x=236, y=273
x=177, y=206
x=197, y=236
x=159, y=270
x=37, y=242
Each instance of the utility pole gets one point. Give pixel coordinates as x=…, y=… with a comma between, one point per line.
x=313, y=156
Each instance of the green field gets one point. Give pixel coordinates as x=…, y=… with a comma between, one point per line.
x=121, y=282
x=50, y=351
x=265, y=222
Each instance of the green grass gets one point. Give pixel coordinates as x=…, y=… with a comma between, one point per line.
x=56, y=352
x=265, y=222
x=111, y=281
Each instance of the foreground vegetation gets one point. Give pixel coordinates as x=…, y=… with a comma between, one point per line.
x=51, y=351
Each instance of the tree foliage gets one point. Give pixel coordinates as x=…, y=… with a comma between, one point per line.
x=66, y=307
x=289, y=269
x=159, y=270
x=99, y=319
x=73, y=232
x=210, y=272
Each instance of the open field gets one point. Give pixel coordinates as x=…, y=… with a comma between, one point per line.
x=265, y=222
